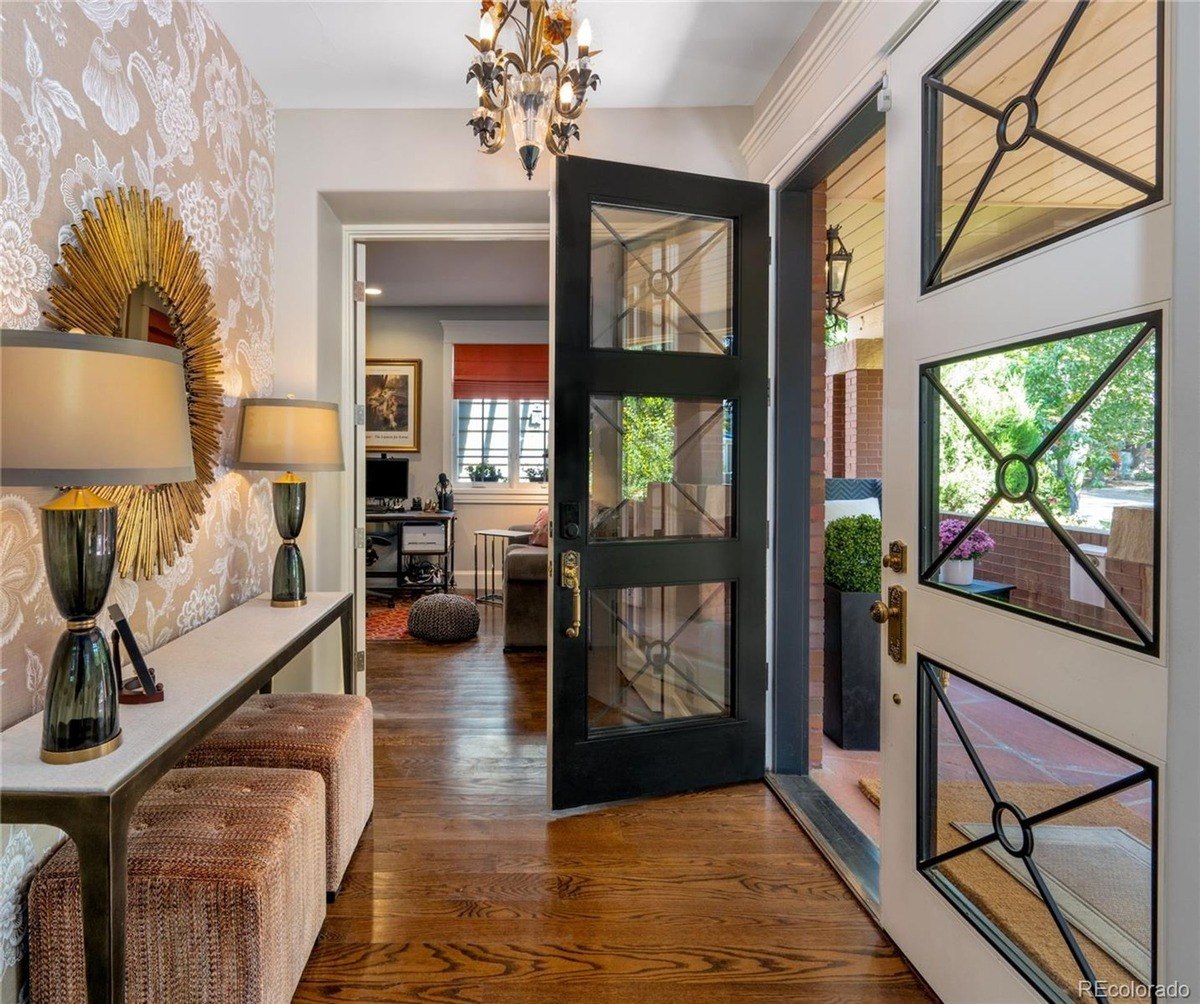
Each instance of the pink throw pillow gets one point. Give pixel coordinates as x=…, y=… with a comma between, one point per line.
x=540, y=537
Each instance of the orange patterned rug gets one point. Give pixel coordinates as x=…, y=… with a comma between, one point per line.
x=386, y=623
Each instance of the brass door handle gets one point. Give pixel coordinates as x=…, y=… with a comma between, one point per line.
x=894, y=613
x=881, y=613
x=570, y=580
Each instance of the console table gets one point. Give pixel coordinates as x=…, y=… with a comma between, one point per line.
x=206, y=674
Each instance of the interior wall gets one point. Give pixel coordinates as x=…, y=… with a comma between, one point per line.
x=417, y=333
x=99, y=96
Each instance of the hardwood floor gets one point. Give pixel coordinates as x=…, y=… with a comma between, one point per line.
x=465, y=888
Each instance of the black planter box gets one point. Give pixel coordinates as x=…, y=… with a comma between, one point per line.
x=851, y=706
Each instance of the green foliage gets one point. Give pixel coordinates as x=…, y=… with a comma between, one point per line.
x=484, y=472
x=1019, y=396
x=648, y=443
x=837, y=328
x=853, y=546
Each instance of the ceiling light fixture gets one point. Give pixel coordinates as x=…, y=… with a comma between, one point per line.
x=534, y=89
x=373, y=291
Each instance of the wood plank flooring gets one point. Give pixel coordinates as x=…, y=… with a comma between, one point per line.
x=465, y=888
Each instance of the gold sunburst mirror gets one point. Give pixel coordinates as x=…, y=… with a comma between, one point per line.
x=133, y=272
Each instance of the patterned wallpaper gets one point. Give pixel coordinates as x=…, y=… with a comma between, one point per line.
x=97, y=94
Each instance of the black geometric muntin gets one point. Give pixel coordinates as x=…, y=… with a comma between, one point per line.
x=657, y=654
x=930, y=695
x=725, y=412
x=1150, y=326
x=662, y=281
x=934, y=253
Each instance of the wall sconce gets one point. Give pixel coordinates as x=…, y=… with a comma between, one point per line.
x=837, y=267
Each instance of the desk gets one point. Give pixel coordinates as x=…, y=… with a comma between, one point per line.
x=207, y=674
x=401, y=518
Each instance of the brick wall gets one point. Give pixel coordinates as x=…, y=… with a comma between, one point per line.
x=864, y=424
x=835, y=425
x=816, y=513
x=1029, y=556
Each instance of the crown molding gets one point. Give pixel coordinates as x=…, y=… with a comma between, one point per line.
x=824, y=49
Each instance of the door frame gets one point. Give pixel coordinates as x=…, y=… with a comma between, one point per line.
x=353, y=381
x=791, y=458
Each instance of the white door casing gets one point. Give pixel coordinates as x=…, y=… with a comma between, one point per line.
x=359, y=431
x=1111, y=271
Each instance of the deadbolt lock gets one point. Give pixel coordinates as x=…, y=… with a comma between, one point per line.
x=897, y=557
x=893, y=613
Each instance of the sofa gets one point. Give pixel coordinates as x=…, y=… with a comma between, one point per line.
x=525, y=573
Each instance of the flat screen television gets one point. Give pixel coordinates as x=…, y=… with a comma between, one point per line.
x=387, y=477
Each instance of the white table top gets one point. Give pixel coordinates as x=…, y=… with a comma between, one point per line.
x=196, y=670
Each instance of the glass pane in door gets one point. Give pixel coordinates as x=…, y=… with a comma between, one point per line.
x=658, y=654
x=1043, y=480
x=661, y=282
x=1048, y=122
x=660, y=467
x=1042, y=836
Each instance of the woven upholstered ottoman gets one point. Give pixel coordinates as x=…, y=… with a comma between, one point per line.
x=225, y=893
x=443, y=617
x=328, y=733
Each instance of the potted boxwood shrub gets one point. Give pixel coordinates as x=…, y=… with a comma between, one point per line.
x=853, y=546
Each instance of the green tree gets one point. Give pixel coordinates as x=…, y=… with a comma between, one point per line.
x=648, y=443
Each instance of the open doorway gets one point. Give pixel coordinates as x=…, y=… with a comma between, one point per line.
x=830, y=373
x=456, y=453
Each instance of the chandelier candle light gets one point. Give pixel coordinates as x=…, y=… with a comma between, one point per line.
x=535, y=89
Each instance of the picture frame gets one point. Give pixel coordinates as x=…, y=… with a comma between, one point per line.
x=393, y=403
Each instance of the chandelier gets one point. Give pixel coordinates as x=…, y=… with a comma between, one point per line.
x=535, y=90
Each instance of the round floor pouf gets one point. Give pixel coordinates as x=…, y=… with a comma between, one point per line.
x=443, y=617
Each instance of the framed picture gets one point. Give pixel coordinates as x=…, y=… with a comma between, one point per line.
x=393, y=405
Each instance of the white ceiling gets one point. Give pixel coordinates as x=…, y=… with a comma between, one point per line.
x=412, y=53
x=459, y=273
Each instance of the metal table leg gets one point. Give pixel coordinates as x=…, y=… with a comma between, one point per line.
x=101, y=835
x=348, y=667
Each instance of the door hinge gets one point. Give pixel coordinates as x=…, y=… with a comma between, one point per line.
x=360, y=291
x=360, y=662
x=770, y=392
x=771, y=248
x=360, y=536
x=360, y=414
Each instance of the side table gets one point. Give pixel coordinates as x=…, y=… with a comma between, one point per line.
x=489, y=539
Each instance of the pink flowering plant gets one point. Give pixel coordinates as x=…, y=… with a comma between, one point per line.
x=977, y=543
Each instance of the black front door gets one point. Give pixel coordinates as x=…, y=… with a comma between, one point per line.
x=660, y=466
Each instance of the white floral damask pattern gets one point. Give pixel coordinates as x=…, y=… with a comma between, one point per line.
x=97, y=94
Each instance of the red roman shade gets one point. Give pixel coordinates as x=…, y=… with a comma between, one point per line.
x=505, y=372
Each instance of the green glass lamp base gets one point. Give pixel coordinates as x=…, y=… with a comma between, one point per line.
x=287, y=582
x=80, y=721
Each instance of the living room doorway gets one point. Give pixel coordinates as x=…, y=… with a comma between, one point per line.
x=454, y=441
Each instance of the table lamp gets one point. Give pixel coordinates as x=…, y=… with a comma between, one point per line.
x=79, y=410
x=283, y=434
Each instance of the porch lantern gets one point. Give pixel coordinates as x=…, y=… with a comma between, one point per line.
x=837, y=267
